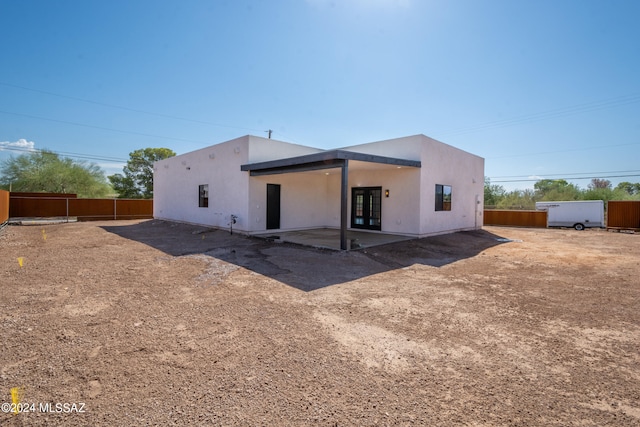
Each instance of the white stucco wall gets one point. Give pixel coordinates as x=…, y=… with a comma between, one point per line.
x=399, y=211
x=441, y=164
x=408, y=147
x=264, y=149
x=302, y=201
x=232, y=191
x=176, y=182
x=464, y=172
x=312, y=199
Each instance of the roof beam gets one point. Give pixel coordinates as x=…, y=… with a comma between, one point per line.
x=304, y=167
x=322, y=160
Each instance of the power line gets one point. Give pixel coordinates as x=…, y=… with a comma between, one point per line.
x=569, y=150
x=557, y=112
x=567, y=174
x=567, y=178
x=544, y=115
x=525, y=178
x=120, y=107
x=103, y=128
x=134, y=110
x=66, y=154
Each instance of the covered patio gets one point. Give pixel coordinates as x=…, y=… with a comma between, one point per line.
x=341, y=159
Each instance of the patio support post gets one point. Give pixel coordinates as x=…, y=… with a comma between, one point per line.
x=343, y=204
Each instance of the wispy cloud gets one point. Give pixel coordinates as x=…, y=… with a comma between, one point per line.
x=19, y=145
x=535, y=177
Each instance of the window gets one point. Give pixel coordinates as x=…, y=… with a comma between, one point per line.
x=203, y=196
x=443, y=197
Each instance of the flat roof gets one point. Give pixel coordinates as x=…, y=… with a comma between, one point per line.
x=323, y=160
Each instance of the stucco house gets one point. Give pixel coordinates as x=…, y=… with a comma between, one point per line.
x=413, y=186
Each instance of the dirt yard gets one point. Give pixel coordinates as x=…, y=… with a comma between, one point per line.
x=153, y=323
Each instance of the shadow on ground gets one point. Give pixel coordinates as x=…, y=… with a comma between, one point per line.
x=301, y=267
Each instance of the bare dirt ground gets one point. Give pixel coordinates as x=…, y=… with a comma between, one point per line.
x=153, y=323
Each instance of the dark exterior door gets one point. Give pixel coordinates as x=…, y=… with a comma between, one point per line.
x=273, y=206
x=366, y=208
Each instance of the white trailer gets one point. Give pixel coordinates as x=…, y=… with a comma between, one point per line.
x=579, y=214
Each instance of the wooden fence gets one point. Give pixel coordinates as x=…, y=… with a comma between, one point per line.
x=53, y=205
x=515, y=218
x=4, y=207
x=624, y=215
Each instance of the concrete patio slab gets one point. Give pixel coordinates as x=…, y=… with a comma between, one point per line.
x=327, y=238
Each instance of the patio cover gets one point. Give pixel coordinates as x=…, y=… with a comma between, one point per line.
x=326, y=160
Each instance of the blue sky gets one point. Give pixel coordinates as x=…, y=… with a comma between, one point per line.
x=540, y=88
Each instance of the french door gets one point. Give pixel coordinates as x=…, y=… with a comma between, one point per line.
x=366, y=207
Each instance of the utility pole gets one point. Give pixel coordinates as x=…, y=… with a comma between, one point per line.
x=269, y=132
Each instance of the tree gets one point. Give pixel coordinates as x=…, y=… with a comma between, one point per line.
x=46, y=171
x=597, y=183
x=493, y=193
x=629, y=188
x=518, y=199
x=137, y=181
x=605, y=194
x=555, y=190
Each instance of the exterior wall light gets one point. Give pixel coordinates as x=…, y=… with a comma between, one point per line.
x=386, y=193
